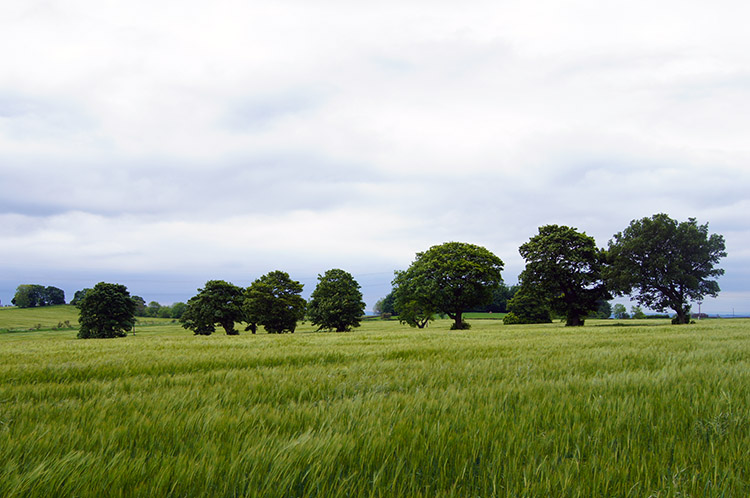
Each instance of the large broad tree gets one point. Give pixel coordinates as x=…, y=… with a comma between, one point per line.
x=217, y=302
x=450, y=278
x=274, y=301
x=336, y=303
x=106, y=311
x=564, y=267
x=668, y=263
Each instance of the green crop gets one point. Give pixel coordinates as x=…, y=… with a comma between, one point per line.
x=386, y=410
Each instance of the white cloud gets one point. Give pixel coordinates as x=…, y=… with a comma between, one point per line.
x=186, y=137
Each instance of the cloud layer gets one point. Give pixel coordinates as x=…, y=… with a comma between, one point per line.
x=166, y=144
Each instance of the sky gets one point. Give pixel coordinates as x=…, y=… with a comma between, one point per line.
x=163, y=144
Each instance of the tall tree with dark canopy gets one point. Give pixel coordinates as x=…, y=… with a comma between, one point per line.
x=336, y=303
x=452, y=278
x=274, y=301
x=218, y=302
x=564, y=267
x=106, y=311
x=670, y=264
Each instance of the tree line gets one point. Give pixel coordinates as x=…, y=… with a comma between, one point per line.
x=32, y=295
x=273, y=302
x=662, y=263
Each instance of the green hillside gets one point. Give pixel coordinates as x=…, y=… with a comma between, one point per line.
x=45, y=317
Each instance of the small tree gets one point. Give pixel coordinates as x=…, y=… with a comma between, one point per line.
x=79, y=294
x=527, y=306
x=274, y=301
x=564, y=267
x=450, y=278
x=177, y=310
x=53, y=296
x=603, y=310
x=218, y=302
x=620, y=312
x=336, y=303
x=28, y=296
x=637, y=312
x=106, y=311
x=413, y=308
x=668, y=263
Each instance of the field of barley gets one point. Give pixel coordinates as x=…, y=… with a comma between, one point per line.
x=633, y=409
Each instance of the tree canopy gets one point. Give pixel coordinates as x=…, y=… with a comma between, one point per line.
x=106, y=311
x=668, y=263
x=218, y=302
x=412, y=308
x=527, y=306
x=450, y=278
x=564, y=267
x=274, y=301
x=336, y=303
x=31, y=295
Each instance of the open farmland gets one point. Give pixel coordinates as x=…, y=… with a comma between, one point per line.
x=636, y=409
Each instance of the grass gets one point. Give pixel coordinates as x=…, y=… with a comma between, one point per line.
x=53, y=317
x=45, y=317
x=645, y=410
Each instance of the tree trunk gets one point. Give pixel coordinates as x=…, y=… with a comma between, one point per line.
x=683, y=315
x=574, y=320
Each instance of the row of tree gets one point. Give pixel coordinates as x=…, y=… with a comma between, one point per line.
x=665, y=263
x=274, y=302
x=150, y=310
x=31, y=295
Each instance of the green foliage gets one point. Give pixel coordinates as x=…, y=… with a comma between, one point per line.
x=620, y=312
x=78, y=296
x=336, y=303
x=274, y=301
x=218, y=302
x=140, y=304
x=177, y=310
x=603, y=310
x=106, y=311
x=526, y=307
x=668, y=263
x=386, y=305
x=450, y=278
x=563, y=266
x=500, y=298
x=539, y=411
x=637, y=312
x=27, y=296
x=412, y=307
x=30, y=295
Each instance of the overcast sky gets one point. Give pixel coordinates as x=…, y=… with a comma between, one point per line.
x=162, y=144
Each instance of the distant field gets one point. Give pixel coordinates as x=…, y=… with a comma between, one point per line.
x=635, y=410
x=49, y=317
x=44, y=317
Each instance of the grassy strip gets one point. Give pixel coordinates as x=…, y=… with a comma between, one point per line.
x=384, y=411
